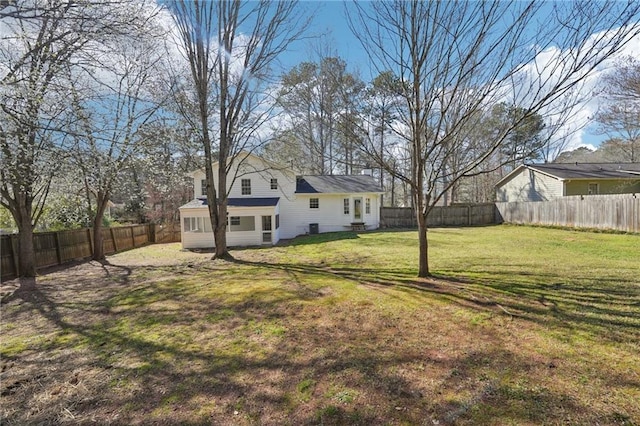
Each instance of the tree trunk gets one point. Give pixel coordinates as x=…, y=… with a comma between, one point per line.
x=98, y=241
x=393, y=190
x=423, y=268
x=26, y=254
x=220, y=233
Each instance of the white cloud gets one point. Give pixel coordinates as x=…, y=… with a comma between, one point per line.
x=577, y=129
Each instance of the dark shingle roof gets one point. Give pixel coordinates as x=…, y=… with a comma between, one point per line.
x=237, y=202
x=336, y=184
x=589, y=170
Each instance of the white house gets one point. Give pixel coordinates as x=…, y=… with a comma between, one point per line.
x=268, y=203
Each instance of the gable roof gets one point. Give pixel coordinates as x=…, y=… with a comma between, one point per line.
x=574, y=171
x=236, y=202
x=336, y=184
x=244, y=158
x=590, y=170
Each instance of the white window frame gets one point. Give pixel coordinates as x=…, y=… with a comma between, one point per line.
x=245, y=186
x=234, y=222
x=314, y=203
x=597, y=185
x=203, y=187
x=346, y=204
x=196, y=224
x=274, y=183
x=367, y=206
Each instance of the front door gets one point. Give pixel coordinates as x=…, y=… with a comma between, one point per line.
x=266, y=229
x=357, y=209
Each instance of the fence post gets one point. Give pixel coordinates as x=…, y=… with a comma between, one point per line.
x=115, y=243
x=152, y=233
x=90, y=241
x=14, y=253
x=133, y=237
x=58, y=249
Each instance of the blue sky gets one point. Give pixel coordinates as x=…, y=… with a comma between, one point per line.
x=331, y=28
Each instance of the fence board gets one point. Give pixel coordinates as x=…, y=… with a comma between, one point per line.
x=44, y=244
x=165, y=233
x=108, y=243
x=56, y=248
x=615, y=212
x=458, y=215
x=74, y=245
x=8, y=258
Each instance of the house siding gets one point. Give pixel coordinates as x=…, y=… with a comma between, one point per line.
x=581, y=187
x=234, y=238
x=330, y=215
x=529, y=185
x=260, y=175
x=295, y=213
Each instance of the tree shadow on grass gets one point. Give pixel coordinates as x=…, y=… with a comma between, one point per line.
x=144, y=343
x=319, y=238
x=597, y=306
x=171, y=379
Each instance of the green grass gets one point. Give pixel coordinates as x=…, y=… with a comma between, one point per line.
x=518, y=325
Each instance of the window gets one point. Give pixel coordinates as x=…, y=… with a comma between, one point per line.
x=367, y=205
x=274, y=183
x=593, y=189
x=277, y=221
x=266, y=223
x=197, y=224
x=345, y=208
x=242, y=223
x=246, y=186
x=314, y=203
x=203, y=186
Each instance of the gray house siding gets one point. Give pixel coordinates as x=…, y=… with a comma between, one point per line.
x=527, y=185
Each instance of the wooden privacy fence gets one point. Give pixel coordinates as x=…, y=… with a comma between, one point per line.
x=617, y=212
x=458, y=215
x=57, y=248
x=165, y=233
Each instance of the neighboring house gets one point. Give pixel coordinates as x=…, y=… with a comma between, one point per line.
x=543, y=182
x=268, y=203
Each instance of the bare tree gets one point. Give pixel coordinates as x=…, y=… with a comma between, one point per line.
x=456, y=58
x=320, y=100
x=42, y=39
x=231, y=47
x=619, y=116
x=111, y=106
x=382, y=99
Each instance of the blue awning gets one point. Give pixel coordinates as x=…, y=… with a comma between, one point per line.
x=237, y=202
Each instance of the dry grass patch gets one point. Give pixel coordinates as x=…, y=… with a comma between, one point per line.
x=518, y=326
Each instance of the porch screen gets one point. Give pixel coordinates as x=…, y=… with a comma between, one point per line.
x=242, y=223
x=197, y=224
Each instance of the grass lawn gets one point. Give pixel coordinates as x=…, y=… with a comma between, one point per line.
x=519, y=325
